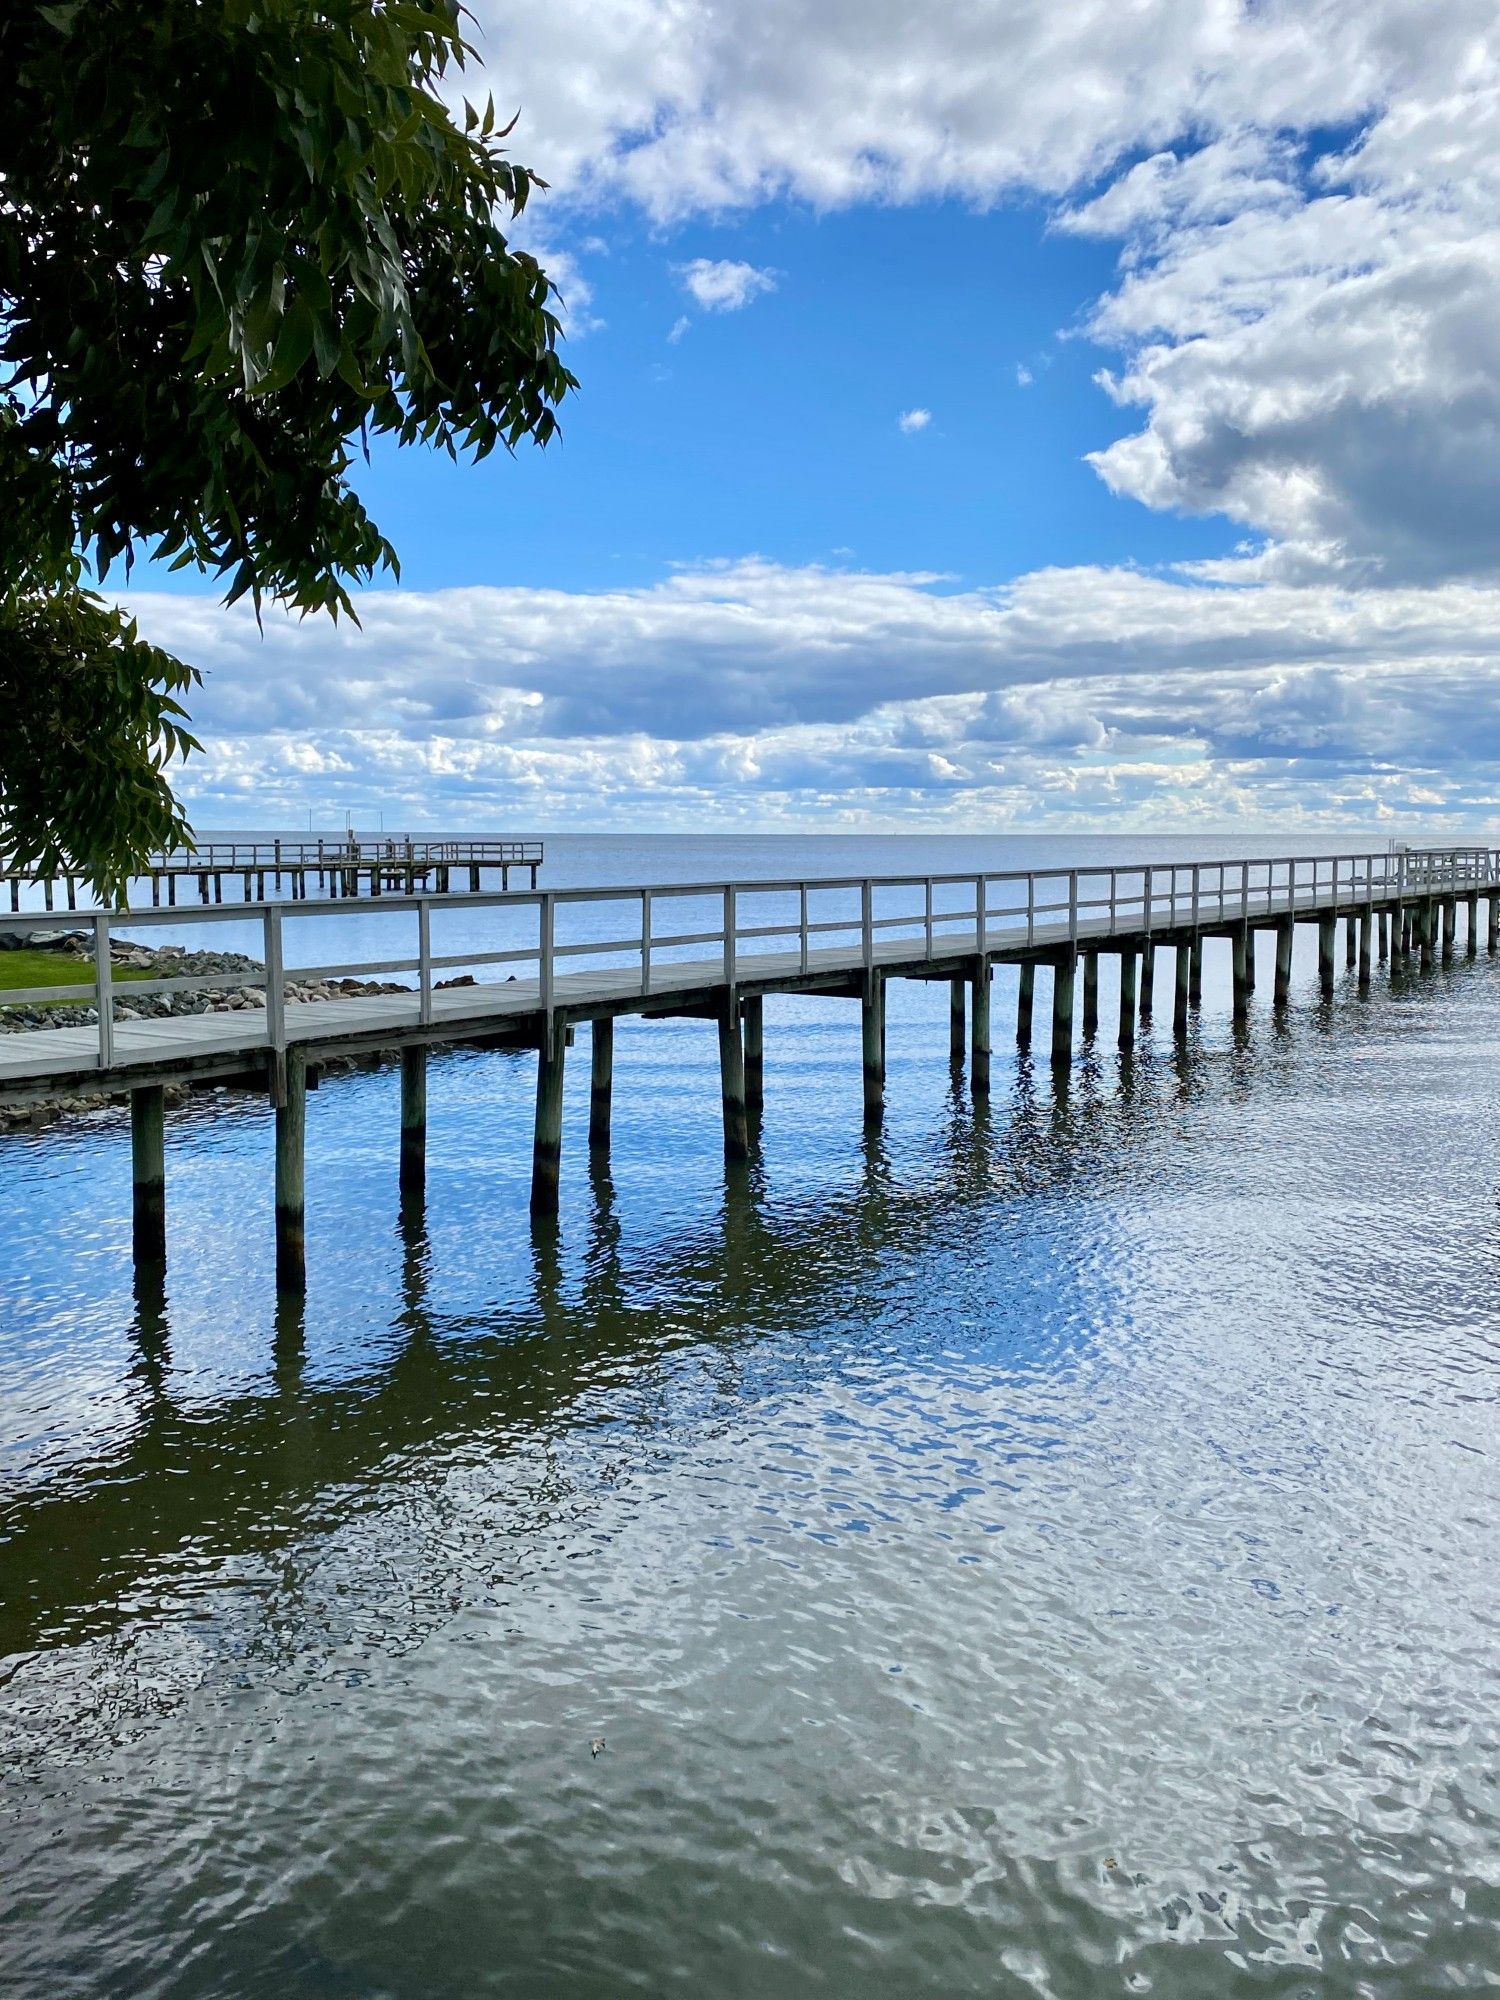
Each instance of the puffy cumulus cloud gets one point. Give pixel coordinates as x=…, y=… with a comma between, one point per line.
x=913, y=420
x=1313, y=335
x=722, y=285
x=752, y=693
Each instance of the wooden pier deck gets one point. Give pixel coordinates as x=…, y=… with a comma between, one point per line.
x=555, y=959
x=336, y=868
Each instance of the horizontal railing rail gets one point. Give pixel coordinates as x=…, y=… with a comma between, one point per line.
x=757, y=930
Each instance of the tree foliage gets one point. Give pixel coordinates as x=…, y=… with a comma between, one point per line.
x=238, y=238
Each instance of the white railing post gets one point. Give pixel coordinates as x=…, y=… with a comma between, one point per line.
x=275, y=980
x=1072, y=906
x=1244, y=889
x=104, y=991
x=1146, y=904
x=424, y=962
x=645, y=940
x=1195, y=895
x=1114, y=888
x=928, y=919
x=729, y=939
x=546, y=924
x=1030, y=909
x=867, y=923
x=802, y=922
x=981, y=917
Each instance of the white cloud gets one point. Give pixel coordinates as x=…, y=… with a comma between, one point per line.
x=764, y=693
x=680, y=326
x=1024, y=376
x=913, y=420
x=724, y=286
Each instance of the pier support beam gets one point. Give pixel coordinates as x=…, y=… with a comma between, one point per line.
x=1450, y=925
x=1385, y=936
x=1127, y=999
x=291, y=1142
x=1090, y=995
x=1427, y=928
x=753, y=1014
x=1025, y=1002
x=732, y=1084
x=546, y=1139
x=1195, y=973
x=1286, y=932
x=601, y=1083
x=1327, y=935
x=979, y=1040
x=1471, y=942
x=956, y=1022
x=1240, y=948
x=1366, y=926
x=1250, y=960
x=1062, y=1009
x=1350, y=943
x=148, y=1166
x=872, y=1043
x=1181, y=989
x=413, y=1122
x=1148, y=979
x=1494, y=940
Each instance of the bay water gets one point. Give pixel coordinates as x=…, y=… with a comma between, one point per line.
x=1045, y=1548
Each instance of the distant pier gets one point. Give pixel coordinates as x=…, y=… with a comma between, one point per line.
x=593, y=955
x=334, y=868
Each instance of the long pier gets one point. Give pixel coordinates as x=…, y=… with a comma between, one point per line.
x=572, y=956
x=335, y=867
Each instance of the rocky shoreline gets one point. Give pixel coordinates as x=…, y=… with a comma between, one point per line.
x=169, y=962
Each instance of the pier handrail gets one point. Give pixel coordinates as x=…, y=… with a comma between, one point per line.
x=1016, y=910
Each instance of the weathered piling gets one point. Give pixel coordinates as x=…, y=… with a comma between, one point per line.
x=1181, y=989
x=1062, y=1007
x=1281, y=993
x=979, y=1040
x=413, y=1120
x=1127, y=998
x=957, y=1027
x=732, y=1084
x=1385, y=936
x=1366, y=926
x=1025, y=1004
x=601, y=1082
x=1148, y=979
x=148, y=1164
x=1450, y=925
x=1471, y=941
x=1494, y=938
x=1351, y=946
x=1327, y=938
x=1427, y=930
x=753, y=1018
x=291, y=1142
x=1090, y=994
x=1240, y=950
x=546, y=1140
x=872, y=1043
x=1195, y=973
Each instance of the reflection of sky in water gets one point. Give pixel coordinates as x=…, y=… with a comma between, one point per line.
x=1046, y=1553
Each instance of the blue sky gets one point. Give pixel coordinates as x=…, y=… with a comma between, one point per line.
x=1192, y=312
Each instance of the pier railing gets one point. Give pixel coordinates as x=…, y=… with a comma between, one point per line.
x=731, y=931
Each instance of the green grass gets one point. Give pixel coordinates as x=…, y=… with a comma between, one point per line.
x=56, y=968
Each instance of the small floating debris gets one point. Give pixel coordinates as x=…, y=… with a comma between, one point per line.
x=596, y=1745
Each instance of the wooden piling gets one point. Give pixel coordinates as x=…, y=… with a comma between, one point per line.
x=1195, y=974
x=1286, y=933
x=291, y=1141
x=1426, y=931
x=1127, y=998
x=956, y=1024
x=1350, y=944
x=546, y=1142
x=753, y=1016
x=1450, y=925
x=1240, y=948
x=601, y=1083
x=1366, y=926
x=1025, y=1002
x=1250, y=960
x=732, y=1084
x=1182, y=988
x=148, y=1164
x=1494, y=939
x=413, y=1120
x=1062, y=1008
x=1327, y=941
x=1384, y=937
x=1090, y=995
x=979, y=1040
x=1471, y=942
x=1148, y=979
x=872, y=1045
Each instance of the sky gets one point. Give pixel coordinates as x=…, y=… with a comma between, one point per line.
x=993, y=415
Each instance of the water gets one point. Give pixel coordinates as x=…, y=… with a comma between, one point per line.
x=1050, y=1552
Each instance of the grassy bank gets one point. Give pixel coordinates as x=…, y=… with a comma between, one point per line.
x=55, y=968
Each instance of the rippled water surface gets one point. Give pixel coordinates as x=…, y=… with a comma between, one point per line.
x=1051, y=1550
